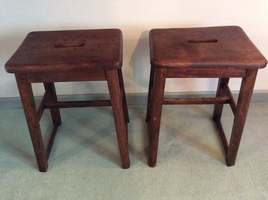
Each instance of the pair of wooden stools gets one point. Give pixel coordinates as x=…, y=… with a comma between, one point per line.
x=96, y=55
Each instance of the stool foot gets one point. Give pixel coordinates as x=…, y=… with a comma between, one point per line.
x=151, y=163
x=43, y=169
x=126, y=166
x=229, y=163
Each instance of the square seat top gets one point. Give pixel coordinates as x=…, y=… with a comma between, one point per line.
x=226, y=46
x=63, y=51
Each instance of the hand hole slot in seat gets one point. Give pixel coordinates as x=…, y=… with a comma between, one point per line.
x=69, y=45
x=203, y=41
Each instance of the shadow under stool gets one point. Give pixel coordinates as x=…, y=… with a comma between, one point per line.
x=61, y=56
x=213, y=52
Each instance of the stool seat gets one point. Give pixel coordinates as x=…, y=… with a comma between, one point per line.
x=73, y=50
x=226, y=46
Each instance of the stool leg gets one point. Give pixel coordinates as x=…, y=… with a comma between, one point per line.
x=155, y=115
x=55, y=112
x=121, y=82
x=119, y=116
x=149, y=98
x=240, y=116
x=27, y=98
x=221, y=91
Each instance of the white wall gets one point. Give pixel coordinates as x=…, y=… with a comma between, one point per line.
x=135, y=18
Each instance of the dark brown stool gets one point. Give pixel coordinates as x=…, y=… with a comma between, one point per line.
x=215, y=52
x=62, y=56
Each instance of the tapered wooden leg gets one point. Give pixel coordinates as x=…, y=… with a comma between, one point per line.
x=221, y=91
x=149, y=98
x=155, y=115
x=119, y=116
x=241, y=114
x=55, y=112
x=121, y=81
x=27, y=98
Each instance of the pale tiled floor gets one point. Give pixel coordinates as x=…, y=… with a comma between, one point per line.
x=85, y=163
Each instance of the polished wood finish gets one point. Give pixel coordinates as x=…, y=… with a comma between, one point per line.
x=119, y=115
x=66, y=51
x=27, y=99
x=221, y=90
x=232, y=101
x=71, y=104
x=149, y=99
x=204, y=100
x=62, y=56
x=85, y=75
x=246, y=91
x=214, y=52
x=206, y=72
x=219, y=47
x=154, y=120
x=123, y=94
x=55, y=112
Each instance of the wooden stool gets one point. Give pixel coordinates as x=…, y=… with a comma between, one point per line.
x=62, y=56
x=221, y=52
